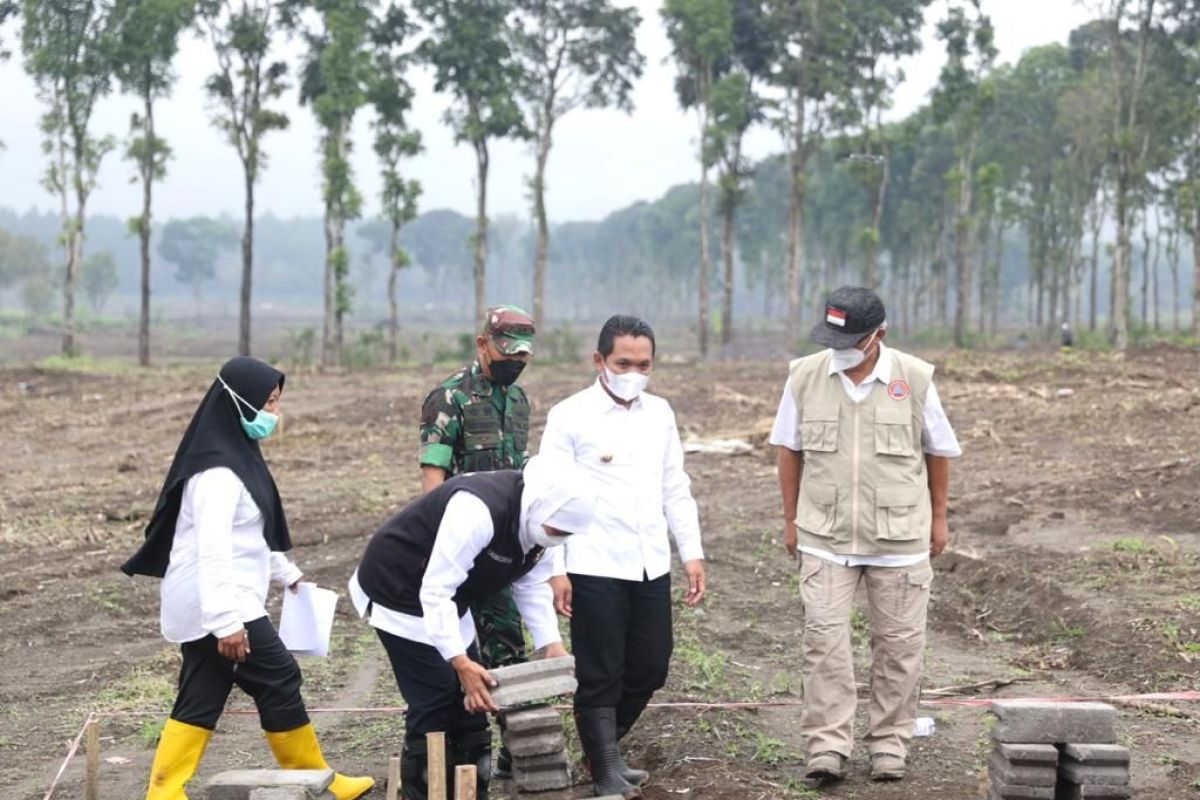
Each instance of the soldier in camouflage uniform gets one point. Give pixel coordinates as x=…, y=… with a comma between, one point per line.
x=477, y=420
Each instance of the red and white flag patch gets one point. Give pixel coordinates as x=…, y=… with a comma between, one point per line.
x=835, y=316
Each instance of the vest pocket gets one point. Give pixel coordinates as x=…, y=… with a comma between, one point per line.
x=893, y=431
x=897, y=512
x=818, y=509
x=481, y=427
x=819, y=427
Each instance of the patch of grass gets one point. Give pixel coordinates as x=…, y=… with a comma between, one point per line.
x=796, y=789
x=1132, y=544
x=708, y=666
x=860, y=628
x=109, y=598
x=768, y=750
x=1190, y=602
x=150, y=731
x=1065, y=632
x=140, y=690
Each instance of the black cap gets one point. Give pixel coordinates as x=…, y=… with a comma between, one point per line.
x=849, y=314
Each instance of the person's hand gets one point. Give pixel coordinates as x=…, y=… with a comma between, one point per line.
x=561, y=586
x=791, y=539
x=939, y=536
x=555, y=650
x=475, y=682
x=694, y=570
x=295, y=586
x=235, y=646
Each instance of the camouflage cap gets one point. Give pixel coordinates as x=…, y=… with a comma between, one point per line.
x=510, y=328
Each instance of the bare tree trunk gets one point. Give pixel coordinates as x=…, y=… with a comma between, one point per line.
x=995, y=304
x=247, y=265
x=543, y=230
x=796, y=159
x=1158, y=233
x=964, y=244
x=1145, y=318
x=876, y=221
x=481, y=226
x=1097, y=221
x=147, y=170
x=705, y=254
x=393, y=305
x=1173, y=260
x=727, y=256
x=1120, y=269
x=75, y=255
x=1196, y=271
x=328, y=348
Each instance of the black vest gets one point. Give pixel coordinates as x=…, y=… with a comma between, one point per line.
x=393, y=566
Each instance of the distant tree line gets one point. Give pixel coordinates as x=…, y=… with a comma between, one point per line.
x=998, y=201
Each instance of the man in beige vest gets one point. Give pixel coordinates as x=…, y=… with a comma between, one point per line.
x=864, y=451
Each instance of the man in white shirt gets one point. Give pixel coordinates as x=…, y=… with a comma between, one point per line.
x=614, y=579
x=864, y=451
x=469, y=537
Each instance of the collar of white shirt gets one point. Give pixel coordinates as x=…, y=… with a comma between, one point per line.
x=881, y=373
x=604, y=401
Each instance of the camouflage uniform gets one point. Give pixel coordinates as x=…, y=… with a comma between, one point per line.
x=469, y=424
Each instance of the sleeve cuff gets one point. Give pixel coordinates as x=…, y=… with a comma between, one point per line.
x=290, y=574
x=437, y=454
x=691, y=553
x=228, y=630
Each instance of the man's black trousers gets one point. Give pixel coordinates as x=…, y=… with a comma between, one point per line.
x=622, y=641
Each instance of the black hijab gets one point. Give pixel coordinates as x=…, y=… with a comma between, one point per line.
x=215, y=438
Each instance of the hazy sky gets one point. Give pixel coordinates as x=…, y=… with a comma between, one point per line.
x=602, y=160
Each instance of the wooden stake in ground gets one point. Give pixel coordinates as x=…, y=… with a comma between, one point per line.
x=436, y=744
x=91, y=739
x=464, y=782
x=393, y=782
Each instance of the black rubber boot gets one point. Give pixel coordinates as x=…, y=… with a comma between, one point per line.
x=638, y=777
x=413, y=776
x=598, y=735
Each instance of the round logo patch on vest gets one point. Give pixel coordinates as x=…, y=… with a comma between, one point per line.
x=898, y=390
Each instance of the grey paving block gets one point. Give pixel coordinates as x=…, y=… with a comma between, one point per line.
x=531, y=719
x=1028, y=754
x=1090, y=791
x=1019, y=774
x=238, y=783
x=1097, y=774
x=541, y=779
x=280, y=793
x=1047, y=722
x=1013, y=791
x=1107, y=754
x=536, y=744
x=537, y=681
x=543, y=761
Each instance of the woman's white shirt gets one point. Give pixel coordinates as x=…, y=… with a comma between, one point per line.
x=221, y=567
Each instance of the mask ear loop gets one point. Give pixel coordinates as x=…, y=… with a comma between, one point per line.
x=237, y=398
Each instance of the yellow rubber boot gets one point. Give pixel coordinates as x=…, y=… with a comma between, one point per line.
x=298, y=749
x=180, y=749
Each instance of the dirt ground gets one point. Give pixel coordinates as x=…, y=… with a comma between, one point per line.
x=1073, y=568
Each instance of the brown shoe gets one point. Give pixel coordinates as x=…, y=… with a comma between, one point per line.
x=887, y=767
x=825, y=767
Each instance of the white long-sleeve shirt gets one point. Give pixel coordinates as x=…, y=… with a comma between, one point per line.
x=465, y=531
x=635, y=460
x=221, y=567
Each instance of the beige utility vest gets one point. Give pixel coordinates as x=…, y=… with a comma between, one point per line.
x=864, y=490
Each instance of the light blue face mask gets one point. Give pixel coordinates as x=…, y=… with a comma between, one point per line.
x=264, y=422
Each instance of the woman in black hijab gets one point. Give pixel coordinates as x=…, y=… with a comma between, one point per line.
x=218, y=539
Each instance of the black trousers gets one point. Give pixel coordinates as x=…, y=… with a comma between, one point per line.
x=432, y=692
x=270, y=675
x=622, y=640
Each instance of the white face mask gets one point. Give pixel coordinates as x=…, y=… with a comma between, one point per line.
x=626, y=385
x=851, y=357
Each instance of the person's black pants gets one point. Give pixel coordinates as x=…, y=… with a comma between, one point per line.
x=622, y=641
x=432, y=692
x=270, y=675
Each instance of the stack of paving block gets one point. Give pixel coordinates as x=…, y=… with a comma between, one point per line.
x=533, y=734
x=1056, y=751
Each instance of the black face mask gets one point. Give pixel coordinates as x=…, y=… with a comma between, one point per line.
x=506, y=372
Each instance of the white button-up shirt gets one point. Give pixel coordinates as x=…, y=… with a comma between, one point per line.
x=937, y=439
x=465, y=531
x=633, y=457
x=221, y=567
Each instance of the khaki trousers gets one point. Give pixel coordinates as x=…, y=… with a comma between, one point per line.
x=897, y=598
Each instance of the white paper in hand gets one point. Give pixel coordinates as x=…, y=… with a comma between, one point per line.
x=306, y=621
